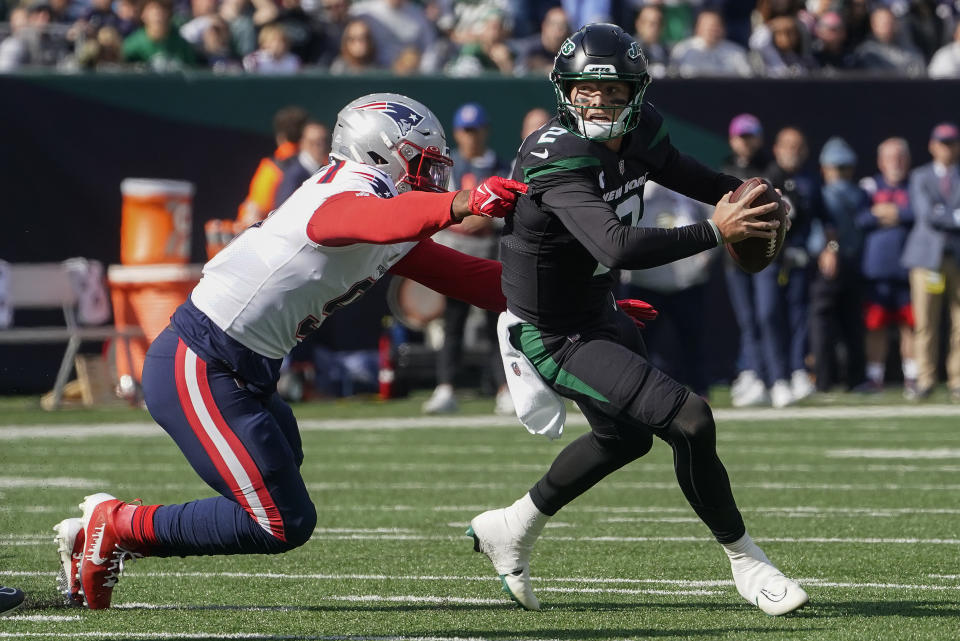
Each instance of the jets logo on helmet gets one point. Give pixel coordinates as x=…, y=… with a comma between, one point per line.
x=567, y=47
x=405, y=117
x=634, y=51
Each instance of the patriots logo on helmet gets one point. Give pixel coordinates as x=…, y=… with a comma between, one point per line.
x=405, y=117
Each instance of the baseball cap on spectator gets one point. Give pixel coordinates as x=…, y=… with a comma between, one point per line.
x=470, y=116
x=745, y=125
x=837, y=153
x=945, y=132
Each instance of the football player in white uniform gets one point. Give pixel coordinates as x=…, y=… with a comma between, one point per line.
x=210, y=378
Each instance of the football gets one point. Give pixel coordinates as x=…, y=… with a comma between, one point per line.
x=754, y=254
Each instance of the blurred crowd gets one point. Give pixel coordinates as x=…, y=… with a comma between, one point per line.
x=863, y=294
x=778, y=38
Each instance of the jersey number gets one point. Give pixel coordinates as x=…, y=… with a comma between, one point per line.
x=550, y=135
x=356, y=291
x=629, y=213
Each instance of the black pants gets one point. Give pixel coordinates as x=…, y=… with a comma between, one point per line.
x=627, y=401
x=451, y=354
x=836, y=315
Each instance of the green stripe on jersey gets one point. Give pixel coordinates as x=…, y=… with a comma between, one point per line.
x=530, y=342
x=561, y=164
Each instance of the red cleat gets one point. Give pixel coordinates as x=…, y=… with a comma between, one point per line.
x=69, y=540
x=104, y=518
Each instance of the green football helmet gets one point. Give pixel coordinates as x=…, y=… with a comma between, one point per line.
x=599, y=52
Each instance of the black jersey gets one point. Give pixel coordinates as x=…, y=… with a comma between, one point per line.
x=578, y=220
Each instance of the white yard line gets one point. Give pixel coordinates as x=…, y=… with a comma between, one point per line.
x=146, y=428
x=227, y=635
x=40, y=617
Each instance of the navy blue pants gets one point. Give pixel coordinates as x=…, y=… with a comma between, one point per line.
x=246, y=446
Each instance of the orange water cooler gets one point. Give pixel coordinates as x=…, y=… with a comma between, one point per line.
x=154, y=277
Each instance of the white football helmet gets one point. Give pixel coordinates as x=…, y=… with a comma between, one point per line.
x=397, y=135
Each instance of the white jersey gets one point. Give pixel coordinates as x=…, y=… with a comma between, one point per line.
x=273, y=285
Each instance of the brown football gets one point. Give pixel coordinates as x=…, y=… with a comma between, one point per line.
x=754, y=254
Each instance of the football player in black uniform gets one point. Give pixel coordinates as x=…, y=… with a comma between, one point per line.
x=585, y=171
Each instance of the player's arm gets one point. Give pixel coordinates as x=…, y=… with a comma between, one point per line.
x=360, y=217
x=575, y=200
x=451, y=273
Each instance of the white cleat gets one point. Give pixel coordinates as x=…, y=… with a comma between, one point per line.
x=70, y=543
x=781, y=595
x=800, y=385
x=761, y=583
x=509, y=554
x=781, y=395
x=751, y=393
x=442, y=401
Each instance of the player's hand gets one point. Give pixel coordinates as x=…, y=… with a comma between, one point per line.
x=495, y=197
x=737, y=221
x=638, y=310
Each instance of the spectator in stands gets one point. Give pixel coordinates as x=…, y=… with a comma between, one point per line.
x=204, y=12
x=302, y=33
x=395, y=25
x=99, y=14
x=929, y=23
x=835, y=292
x=707, y=53
x=887, y=51
x=243, y=32
x=533, y=120
x=885, y=224
x=484, y=47
x=274, y=55
x=473, y=162
x=63, y=12
x=932, y=254
x=781, y=289
x=856, y=17
x=830, y=49
x=314, y=152
x=748, y=159
x=15, y=48
x=357, y=51
x=649, y=35
x=785, y=55
x=946, y=61
x=288, y=124
x=157, y=44
x=581, y=12
x=535, y=53
x=104, y=51
x=678, y=291
x=128, y=13
x=216, y=50
x=335, y=16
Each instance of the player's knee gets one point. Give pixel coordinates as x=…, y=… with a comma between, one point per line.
x=695, y=420
x=299, y=527
x=630, y=444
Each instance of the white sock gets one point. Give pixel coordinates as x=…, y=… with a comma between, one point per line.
x=751, y=567
x=525, y=519
x=909, y=369
x=875, y=372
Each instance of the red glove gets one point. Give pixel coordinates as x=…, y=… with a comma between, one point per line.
x=638, y=310
x=495, y=197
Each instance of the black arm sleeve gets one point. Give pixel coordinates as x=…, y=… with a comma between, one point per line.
x=686, y=175
x=613, y=244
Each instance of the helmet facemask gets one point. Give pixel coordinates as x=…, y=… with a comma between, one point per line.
x=573, y=117
x=427, y=169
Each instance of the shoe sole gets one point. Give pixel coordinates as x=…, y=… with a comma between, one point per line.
x=67, y=532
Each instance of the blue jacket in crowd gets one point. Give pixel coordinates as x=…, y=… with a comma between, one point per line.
x=842, y=202
x=882, y=246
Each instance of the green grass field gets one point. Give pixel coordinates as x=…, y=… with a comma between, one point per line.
x=861, y=503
